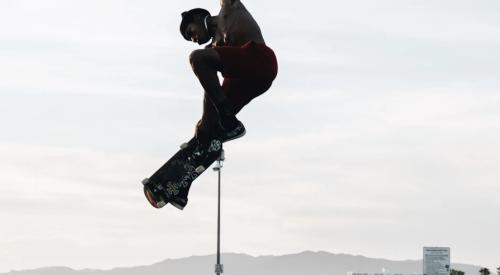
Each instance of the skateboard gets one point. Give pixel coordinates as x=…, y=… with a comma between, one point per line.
x=171, y=183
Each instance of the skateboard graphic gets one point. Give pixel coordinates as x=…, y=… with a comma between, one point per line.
x=171, y=183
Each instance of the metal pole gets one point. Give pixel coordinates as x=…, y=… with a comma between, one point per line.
x=219, y=268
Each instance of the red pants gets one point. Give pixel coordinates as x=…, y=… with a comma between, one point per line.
x=248, y=72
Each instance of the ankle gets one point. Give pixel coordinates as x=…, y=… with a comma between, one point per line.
x=225, y=108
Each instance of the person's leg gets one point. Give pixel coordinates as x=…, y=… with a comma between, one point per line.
x=248, y=72
x=208, y=126
x=238, y=95
x=206, y=63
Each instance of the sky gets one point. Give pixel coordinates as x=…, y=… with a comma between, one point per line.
x=380, y=135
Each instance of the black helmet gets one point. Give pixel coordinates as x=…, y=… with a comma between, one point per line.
x=188, y=17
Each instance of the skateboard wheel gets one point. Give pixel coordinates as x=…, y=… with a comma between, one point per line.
x=200, y=169
x=184, y=145
x=145, y=181
x=152, y=199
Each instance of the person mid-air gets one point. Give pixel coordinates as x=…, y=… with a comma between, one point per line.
x=237, y=49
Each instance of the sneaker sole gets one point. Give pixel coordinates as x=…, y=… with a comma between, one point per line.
x=235, y=137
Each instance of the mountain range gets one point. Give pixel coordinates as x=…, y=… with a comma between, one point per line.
x=308, y=262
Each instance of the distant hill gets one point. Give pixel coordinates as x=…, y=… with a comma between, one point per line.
x=305, y=263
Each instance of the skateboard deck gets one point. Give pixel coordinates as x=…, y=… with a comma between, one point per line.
x=171, y=183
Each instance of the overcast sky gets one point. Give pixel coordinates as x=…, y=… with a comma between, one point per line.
x=380, y=135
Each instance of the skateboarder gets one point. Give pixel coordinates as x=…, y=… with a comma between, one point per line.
x=237, y=50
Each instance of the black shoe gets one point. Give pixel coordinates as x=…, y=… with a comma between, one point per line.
x=235, y=132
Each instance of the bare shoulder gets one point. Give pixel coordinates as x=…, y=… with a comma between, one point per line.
x=230, y=4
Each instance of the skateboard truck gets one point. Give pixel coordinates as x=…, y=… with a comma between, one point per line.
x=157, y=203
x=200, y=169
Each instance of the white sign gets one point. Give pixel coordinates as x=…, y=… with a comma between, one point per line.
x=436, y=261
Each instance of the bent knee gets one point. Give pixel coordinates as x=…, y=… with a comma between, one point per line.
x=196, y=57
x=204, y=58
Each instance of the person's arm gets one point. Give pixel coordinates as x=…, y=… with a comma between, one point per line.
x=217, y=39
x=216, y=42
